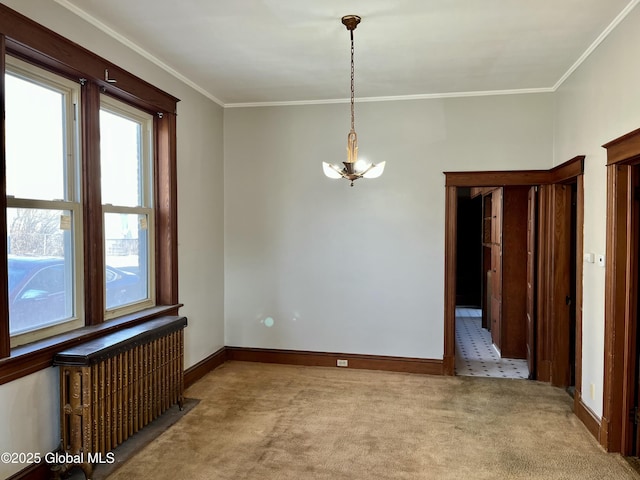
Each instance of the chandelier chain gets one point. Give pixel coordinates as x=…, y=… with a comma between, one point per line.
x=352, y=86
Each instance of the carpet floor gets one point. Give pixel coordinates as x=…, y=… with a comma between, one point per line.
x=281, y=422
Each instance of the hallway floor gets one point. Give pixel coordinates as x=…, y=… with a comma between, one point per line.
x=475, y=354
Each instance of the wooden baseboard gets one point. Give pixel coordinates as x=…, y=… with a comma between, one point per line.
x=35, y=471
x=604, y=434
x=200, y=369
x=327, y=359
x=543, y=371
x=586, y=416
x=449, y=365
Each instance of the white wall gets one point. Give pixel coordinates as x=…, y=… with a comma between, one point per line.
x=29, y=416
x=353, y=270
x=200, y=225
x=356, y=270
x=599, y=102
x=29, y=413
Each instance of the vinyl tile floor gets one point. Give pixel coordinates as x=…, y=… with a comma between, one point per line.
x=475, y=354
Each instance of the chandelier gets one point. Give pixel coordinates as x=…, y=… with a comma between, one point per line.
x=353, y=168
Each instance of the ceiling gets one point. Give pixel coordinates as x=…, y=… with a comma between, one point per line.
x=240, y=52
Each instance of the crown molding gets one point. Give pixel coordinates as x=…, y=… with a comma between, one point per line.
x=424, y=96
x=136, y=48
x=144, y=53
x=621, y=16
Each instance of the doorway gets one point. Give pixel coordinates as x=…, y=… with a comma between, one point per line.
x=617, y=430
x=634, y=432
x=619, y=425
x=631, y=442
x=469, y=265
x=490, y=324
x=548, y=297
x=634, y=241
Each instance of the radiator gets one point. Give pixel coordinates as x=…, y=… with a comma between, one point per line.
x=112, y=387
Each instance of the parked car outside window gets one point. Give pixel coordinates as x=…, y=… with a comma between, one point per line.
x=38, y=291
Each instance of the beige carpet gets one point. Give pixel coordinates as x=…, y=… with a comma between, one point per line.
x=258, y=421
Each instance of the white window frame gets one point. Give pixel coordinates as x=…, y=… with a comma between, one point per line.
x=72, y=191
x=124, y=110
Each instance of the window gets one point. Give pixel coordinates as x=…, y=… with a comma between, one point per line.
x=79, y=252
x=127, y=177
x=43, y=210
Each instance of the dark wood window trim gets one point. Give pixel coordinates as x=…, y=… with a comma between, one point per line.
x=93, y=249
x=25, y=39
x=568, y=171
x=166, y=208
x=623, y=154
x=34, y=43
x=5, y=340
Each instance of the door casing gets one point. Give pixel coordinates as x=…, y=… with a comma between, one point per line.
x=571, y=170
x=621, y=277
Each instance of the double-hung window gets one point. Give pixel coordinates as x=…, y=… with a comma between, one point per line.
x=88, y=197
x=126, y=185
x=44, y=224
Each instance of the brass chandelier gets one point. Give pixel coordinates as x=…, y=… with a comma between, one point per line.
x=353, y=168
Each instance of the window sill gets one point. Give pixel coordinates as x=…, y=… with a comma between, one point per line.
x=30, y=358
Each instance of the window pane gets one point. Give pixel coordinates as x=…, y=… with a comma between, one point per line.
x=35, y=146
x=126, y=249
x=120, y=156
x=40, y=268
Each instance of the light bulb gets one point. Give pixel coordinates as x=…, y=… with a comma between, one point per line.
x=361, y=165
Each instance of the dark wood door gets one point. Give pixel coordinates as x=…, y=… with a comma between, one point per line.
x=634, y=334
x=634, y=415
x=562, y=296
x=496, y=268
x=531, y=280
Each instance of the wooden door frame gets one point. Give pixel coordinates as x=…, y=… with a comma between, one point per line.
x=564, y=173
x=532, y=256
x=623, y=154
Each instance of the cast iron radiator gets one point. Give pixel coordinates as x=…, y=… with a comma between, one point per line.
x=113, y=386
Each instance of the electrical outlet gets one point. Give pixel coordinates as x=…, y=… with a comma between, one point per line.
x=343, y=363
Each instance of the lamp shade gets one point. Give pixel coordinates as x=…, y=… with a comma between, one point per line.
x=375, y=171
x=330, y=171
